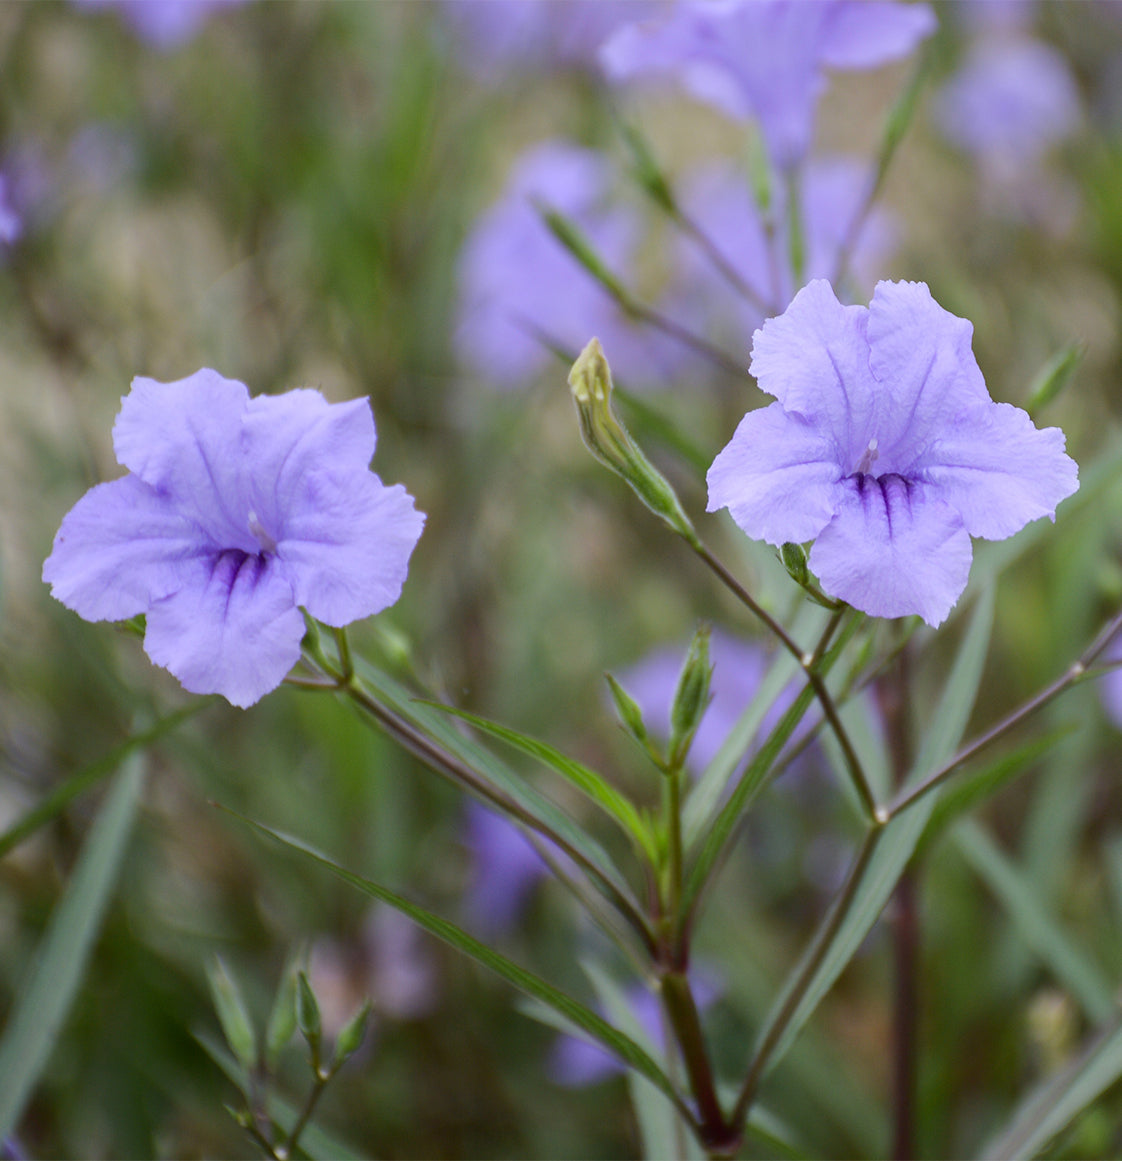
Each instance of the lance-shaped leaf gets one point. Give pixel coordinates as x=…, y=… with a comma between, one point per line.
x=41, y=1007
x=1051, y=1107
x=588, y=781
x=590, y=1023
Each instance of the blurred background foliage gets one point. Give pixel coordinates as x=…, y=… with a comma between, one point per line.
x=283, y=196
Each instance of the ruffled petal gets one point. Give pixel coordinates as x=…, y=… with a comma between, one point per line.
x=185, y=439
x=777, y=476
x=121, y=547
x=287, y=436
x=927, y=373
x=999, y=471
x=234, y=629
x=814, y=358
x=894, y=549
x=868, y=33
x=347, y=542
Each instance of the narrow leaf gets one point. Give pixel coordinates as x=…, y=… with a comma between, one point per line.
x=893, y=850
x=42, y=1006
x=583, y=1017
x=592, y=784
x=1051, y=1107
x=1073, y=968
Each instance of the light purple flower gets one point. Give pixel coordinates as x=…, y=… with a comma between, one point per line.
x=236, y=512
x=164, y=24
x=520, y=288
x=498, y=37
x=738, y=670
x=507, y=868
x=1011, y=101
x=718, y=197
x=11, y=224
x=765, y=58
x=885, y=449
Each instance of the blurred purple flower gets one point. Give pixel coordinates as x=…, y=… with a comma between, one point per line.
x=519, y=285
x=498, y=37
x=163, y=24
x=11, y=223
x=765, y=58
x=885, y=449
x=576, y=1062
x=507, y=867
x=738, y=670
x=718, y=197
x=236, y=512
x=1011, y=101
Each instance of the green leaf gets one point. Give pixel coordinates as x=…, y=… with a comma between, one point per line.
x=440, y=727
x=583, y=1017
x=90, y=776
x=1053, y=1105
x=314, y=1141
x=588, y=781
x=892, y=851
x=42, y=1005
x=233, y=1015
x=1071, y=965
x=965, y=793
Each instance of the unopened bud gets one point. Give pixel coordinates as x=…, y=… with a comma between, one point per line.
x=282, y=1019
x=611, y=443
x=793, y=557
x=348, y=1041
x=647, y=170
x=233, y=1015
x=577, y=243
x=308, y=1017
x=691, y=698
x=1054, y=376
x=628, y=709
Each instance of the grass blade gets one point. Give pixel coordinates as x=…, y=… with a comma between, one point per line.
x=41, y=1008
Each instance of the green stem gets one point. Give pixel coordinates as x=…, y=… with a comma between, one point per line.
x=810, y=663
x=284, y=1151
x=674, y=833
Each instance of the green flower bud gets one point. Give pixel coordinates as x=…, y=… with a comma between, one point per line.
x=308, y=1017
x=793, y=557
x=628, y=709
x=574, y=240
x=233, y=1015
x=691, y=698
x=647, y=171
x=1054, y=376
x=354, y=1031
x=282, y=1019
x=611, y=443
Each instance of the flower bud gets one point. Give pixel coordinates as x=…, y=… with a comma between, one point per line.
x=349, y=1040
x=611, y=443
x=282, y=1019
x=1054, y=376
x=628, y=709
x=308, y=1017
x=233, y=1015
x=793, y=557
x=574, y=240
x=691, y=698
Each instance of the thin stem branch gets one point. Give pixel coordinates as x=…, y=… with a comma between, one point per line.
x=809, y=663
x=729, y=272
x=1076, y=672
x=802, y=981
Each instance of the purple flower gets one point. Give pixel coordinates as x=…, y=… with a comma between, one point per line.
x=885, y=449
x=765, y=58
x=719, y=198
x=738, y=669
x=507, y=867
x=1011, y=101
x=236, y=512
x=521, y=288
x=11, y=224
x=164, y=24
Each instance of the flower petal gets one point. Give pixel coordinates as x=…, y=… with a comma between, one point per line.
x=234, y=629
x=347, y=542
x=894, y=549
x=185, y=439
x=121, y=547
x=777, y=476
x=999, y=471
x=927, y=373
x=288, y=435
x=814, y=358
x=873, y=32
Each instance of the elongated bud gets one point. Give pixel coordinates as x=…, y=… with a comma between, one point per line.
x=611, y=443
x=349, y=1040
x=691, y=698
x=793, y=557
x=1053, y=377
x=647, y=170
x=628, y=709
x=233, y=1015
x=308, y=1017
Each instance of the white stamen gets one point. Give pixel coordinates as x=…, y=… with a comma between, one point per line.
x=867, y=459
x=268, y=544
